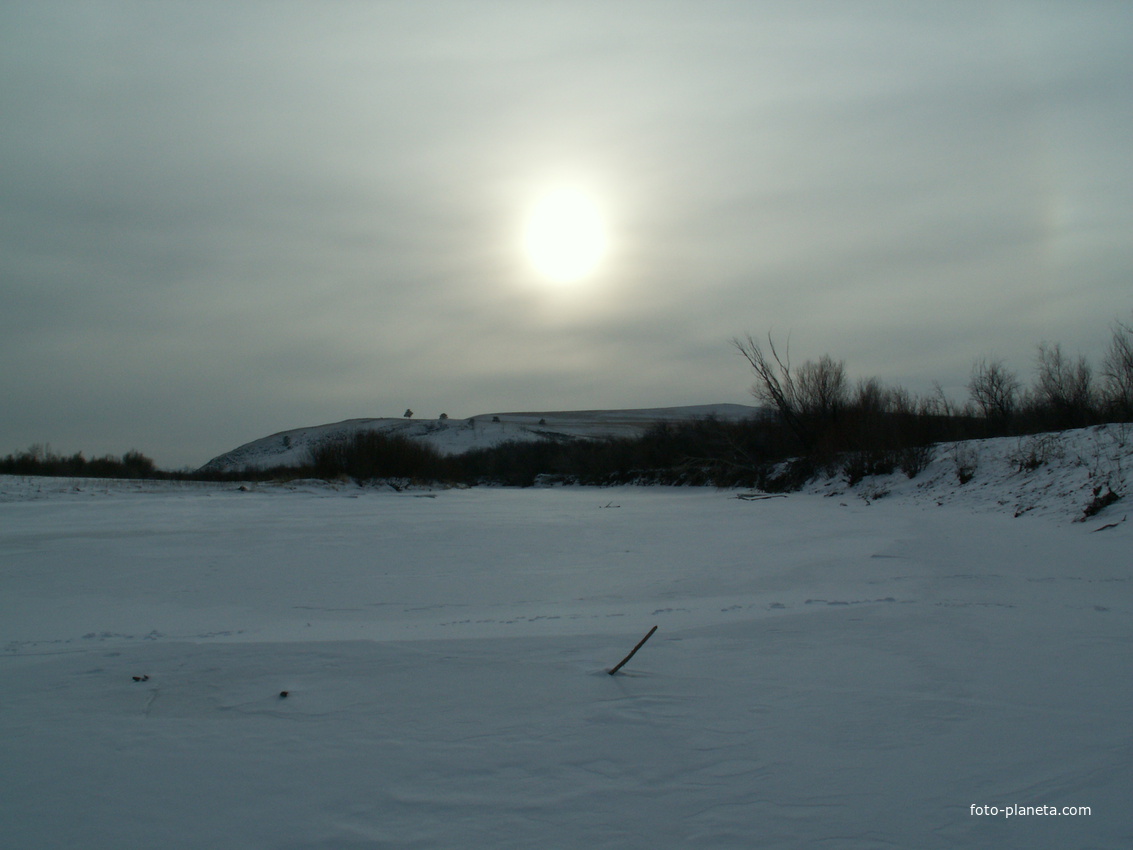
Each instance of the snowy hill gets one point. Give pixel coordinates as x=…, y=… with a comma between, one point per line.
x=1060, y=474
x=453, y=436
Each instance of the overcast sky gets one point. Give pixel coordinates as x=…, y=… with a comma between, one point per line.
x=226, y=219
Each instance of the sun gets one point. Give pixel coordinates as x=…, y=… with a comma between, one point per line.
x=565, y=236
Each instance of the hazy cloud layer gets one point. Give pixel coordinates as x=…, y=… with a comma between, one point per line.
x=223, y=220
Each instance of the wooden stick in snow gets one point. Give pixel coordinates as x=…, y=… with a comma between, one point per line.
x=640, y=644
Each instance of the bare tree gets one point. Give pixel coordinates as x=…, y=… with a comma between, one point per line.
x=900, y=400
x=820, y=387
x=1117, y=369
x=774, y=384
x=1065, y=387
x=871, y=396
x=994, y=389
x=937, y=404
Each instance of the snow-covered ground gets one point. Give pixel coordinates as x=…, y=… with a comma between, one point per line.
x=453, y=436
x=1057, y=475
x=834, y=671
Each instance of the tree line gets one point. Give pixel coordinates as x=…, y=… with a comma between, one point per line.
x=812, y=398
x=40, y=460
x=817, y=420
x=869, y=428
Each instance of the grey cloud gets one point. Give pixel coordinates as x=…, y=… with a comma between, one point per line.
x=221, y=220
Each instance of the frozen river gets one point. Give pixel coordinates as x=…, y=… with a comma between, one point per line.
x=824, y=674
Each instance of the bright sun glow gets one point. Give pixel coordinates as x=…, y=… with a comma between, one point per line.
x=565, y=236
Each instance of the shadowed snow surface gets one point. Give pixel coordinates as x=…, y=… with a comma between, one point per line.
x=827, y=672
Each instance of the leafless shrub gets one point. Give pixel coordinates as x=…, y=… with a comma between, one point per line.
x=915, y=459
x=859, y=465
x=966, y=461
x=1035, y=451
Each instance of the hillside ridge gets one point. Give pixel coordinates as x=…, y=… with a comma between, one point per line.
x=455, y=436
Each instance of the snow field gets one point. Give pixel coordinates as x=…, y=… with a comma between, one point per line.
x=852, y=676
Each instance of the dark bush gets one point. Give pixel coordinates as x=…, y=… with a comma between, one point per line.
x=371, y=455
x=38, y=460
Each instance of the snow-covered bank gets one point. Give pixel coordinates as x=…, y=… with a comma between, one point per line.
x=1061, y=475
x=855, y=676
